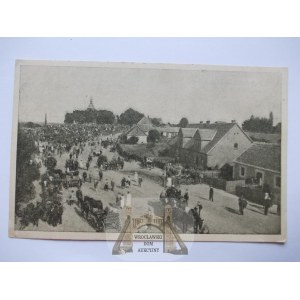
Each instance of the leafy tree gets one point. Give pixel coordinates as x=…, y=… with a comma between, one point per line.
x=130, y=117
x=156, y=121
x=133, y=140
x=183, y=123
x=69, y=118
x=277, y=128
x=271, y=118
x=153, y=136
x=26, y=171
x=105, y=117
x=256, y=124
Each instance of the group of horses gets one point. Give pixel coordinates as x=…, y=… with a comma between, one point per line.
x=92, y=210
x=49, y=211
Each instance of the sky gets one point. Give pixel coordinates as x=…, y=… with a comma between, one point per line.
x=166, y=93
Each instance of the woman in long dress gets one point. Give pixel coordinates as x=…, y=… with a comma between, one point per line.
x=136, y=176
x=122, y=202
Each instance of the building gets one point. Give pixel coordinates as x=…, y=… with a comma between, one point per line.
x=139, y=133
x=168, y=131
x=141, y=130
x=145, y=124
x=260, y=164
x=211, y=146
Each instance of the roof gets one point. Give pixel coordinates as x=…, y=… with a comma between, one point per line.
x=262, y=155
x=274, y=138
x=136, y=131
x=188, y=132
x=207, y=134
x=220, y=130
x=145, y=124
x=168, y=129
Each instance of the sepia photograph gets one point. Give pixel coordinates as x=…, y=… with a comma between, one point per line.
x=103, y=151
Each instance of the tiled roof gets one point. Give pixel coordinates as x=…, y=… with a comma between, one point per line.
x=220, y=130
x=188, y=132
x=168, y=129
x=136, y=131
x=262, y=155
x=145, y=124
x=207, y=134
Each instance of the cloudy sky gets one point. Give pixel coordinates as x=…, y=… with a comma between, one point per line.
x=168, y=93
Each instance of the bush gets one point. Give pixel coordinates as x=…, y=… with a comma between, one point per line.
x=153, y=136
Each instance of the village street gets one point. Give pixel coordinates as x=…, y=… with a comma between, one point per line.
x=221, y=215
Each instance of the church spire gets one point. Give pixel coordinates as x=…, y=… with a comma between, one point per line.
x=45, y=119
x=91, y=105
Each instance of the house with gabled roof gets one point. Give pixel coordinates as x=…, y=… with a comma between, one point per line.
x=145, y=124
x=261, y=163
x=141, y=130
x=206, y=145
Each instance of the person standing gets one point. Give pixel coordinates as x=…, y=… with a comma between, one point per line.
x=106, y=185
x=267, y=203
x=112, y=183
x=100, y=175
x=169, y=182
x=186, y=197
x=140, y=181
x=122, y=201
x=118, y=200
x=79, y=196
x=241, y=204
x=211, y=193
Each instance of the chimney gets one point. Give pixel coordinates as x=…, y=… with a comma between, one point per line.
x=233, y=121
x=207, y=122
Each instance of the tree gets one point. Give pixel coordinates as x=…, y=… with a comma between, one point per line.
x=156, y=121
x=105, y=117
x=130, y=117
x=255, y=124
x=26, y=171
x=271, y=118
x=133, y=140
x=153, y=136
x=183, y=123
x=69, y=118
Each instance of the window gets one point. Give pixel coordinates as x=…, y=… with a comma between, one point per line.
x=236, y=146
x=242, y=171
x=277, y=181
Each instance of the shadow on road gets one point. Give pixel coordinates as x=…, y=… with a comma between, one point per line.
x=256, y=211
x=234, y=211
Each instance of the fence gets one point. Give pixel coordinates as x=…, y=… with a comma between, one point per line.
x=232, y=185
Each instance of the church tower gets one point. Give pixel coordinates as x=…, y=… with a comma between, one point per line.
x=91, y=105
x=45, y=119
